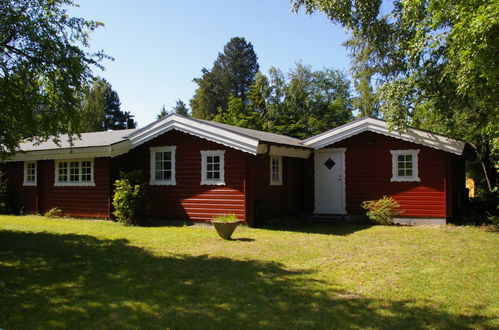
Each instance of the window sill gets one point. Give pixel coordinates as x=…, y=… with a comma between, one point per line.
x=74, y=184
x=213, y=183
x=29, y=184
x=405, y=180
x=163, y=183
x=276, y=183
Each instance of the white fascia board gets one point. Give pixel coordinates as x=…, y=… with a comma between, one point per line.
x=378, y=126
x=288, y=152
x=204, y=131
x=113, y=150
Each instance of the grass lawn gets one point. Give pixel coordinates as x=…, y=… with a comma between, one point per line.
x=95, y=274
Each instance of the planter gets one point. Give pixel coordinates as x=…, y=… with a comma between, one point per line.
x=225, y=229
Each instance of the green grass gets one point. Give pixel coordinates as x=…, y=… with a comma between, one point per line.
x=95, y=274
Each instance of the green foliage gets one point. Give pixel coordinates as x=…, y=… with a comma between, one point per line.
x=433, y=65
x=232, y=73
x=5, y=202
x=481, y=210
x=239, y=114
x=128, y=198
x=102, y=109
x=180, y=108
x=225, y=218
x=43, y=70
x=382, y=211
x=162, y=113
x=54, y=212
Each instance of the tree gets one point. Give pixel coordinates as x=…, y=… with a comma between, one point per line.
x=435, y=62
x=102, y=109
x=239, y=114
x=180, y=108
x=309, y=102
x=232, y=73
x=43, y=70
x=162, y=113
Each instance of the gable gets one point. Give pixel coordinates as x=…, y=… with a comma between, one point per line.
x=413, y=135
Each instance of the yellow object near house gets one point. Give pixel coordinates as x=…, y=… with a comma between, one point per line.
x=470, y=185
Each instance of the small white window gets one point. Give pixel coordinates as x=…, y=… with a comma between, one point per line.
x=29, y=173
x=74, y=173
x=405, y=165
x=275, y=170
x=212, y=167
x=162, y=166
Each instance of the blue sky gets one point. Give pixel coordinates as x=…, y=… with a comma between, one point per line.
x=160, y=46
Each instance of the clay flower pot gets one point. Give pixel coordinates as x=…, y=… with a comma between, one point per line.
x=225, y=229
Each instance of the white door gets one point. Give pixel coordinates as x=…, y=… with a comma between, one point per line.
x=330, y=181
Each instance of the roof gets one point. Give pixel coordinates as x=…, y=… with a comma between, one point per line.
x=115, y=143
x=93, y=139
x=414, y=135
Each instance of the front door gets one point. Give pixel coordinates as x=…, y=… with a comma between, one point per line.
x=330, y=181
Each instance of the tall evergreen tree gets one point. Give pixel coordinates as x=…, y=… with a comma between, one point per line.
x=180, y=108
x=232, y=73
x=102, y=109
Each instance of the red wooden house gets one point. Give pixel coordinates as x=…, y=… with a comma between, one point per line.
x=196, y=169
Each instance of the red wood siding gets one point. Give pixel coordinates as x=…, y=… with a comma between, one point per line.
x=76, y=201
x=23, y=198
x=188, y=199
x=368, y=163
x=278, y=201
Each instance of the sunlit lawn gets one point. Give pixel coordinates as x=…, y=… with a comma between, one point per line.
x=82, y=274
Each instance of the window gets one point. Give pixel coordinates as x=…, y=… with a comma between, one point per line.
x=74, y=173
x=29, y=173
x=212, y=167
x=162, y=165
x=405, y=165
x=275, y=170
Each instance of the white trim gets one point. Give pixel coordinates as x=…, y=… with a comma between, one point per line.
x=112, y=151
x=343, y=179
x=27, y=183
x=68, y=183
x=415, y=166
x=221, y=180
x=289, y=152
x=279, y=181
x=379, y=126
x=196, y=128
x=152, y=166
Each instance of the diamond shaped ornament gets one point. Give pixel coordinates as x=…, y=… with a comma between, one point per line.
x=329, y=163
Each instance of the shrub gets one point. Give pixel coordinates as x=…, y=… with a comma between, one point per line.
x=128, y=198
x=481, y=210
x=54, y=212
x=225, y=218
x=382, y=211
x=4, y=196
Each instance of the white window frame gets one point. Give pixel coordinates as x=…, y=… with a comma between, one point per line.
x=204, y=180
x=277, y=182
x=25, y=181
x=78, y=183
x=152, y=180
x=415, y=164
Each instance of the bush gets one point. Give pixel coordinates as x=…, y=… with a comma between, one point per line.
x=5, y=207
x=481, y=210
x=128, y=198
x=382, y=211
x=54, y=212
x=225, y=218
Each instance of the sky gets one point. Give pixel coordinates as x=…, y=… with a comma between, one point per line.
x=159, y=46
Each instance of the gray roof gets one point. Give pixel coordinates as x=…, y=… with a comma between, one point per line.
x=260, y=135
x=93, y=139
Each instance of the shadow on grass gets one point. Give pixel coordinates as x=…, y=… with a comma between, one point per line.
x=74, y=281
x=340, y=228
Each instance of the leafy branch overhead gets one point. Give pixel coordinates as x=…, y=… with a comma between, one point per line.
x=432, y=63
x=43, y=69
